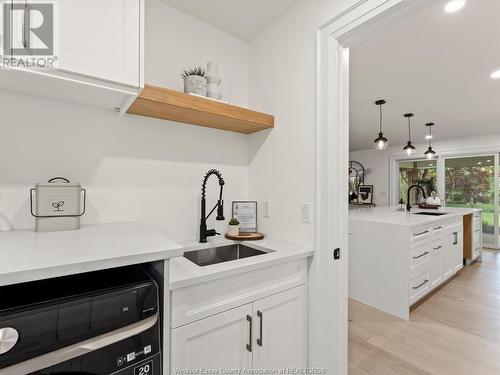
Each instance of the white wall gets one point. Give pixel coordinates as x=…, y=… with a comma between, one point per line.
x=134, y=168
x=282, y=82
x=378, y=162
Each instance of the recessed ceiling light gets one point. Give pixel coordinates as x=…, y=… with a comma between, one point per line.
x=495, y=74
x=454, y=6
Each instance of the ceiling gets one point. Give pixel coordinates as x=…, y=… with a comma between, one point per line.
x=242, y=18
x=434, y=64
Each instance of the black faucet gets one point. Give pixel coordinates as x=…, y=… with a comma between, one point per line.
x=408, y=205
x=204, y=232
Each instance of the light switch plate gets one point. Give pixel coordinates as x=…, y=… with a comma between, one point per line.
x=305, y=212
x=266, y=209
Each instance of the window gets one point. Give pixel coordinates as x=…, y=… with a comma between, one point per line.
x=470, y=182
x=421, y=172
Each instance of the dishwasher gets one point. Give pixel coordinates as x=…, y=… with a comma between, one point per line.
x=97, y=323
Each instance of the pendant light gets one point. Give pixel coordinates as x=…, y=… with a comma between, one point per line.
x=381, y=142
x=430, y=153
x=409, y=148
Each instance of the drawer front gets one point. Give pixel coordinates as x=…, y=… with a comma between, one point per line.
x=203, y=300
x=419, y=286
x=420, y=234
x=419, y=255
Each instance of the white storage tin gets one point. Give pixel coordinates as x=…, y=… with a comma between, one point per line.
x=57, y=205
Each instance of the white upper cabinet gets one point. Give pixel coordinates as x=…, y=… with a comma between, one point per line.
x=97, y=49
x=101, y=39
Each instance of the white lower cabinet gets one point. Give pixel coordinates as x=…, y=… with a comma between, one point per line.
x=280, y=329
x=215, y=342
x=268, y=333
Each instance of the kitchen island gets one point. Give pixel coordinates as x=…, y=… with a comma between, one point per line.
x=396, y=257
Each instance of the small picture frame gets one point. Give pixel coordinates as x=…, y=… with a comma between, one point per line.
x=365, y=194
x=246, y=213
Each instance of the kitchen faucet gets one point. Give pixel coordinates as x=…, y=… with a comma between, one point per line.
x=408, y=205
x=204, y=232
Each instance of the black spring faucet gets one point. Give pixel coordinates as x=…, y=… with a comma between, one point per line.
x=408, y=205
x=204, y=232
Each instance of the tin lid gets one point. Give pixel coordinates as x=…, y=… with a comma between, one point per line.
x=58, y=182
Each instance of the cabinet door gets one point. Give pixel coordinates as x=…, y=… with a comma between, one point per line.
x=448, y=257
x=457, y=245
x=101, y=39
x=219, y=341
x=280, y=330
x=436, y=270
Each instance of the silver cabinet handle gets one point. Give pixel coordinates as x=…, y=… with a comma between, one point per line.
x=438, y=228
x=455, y=242
x=420, y=234
x=261, y=318
x=421, y=255
x=439, y=247
x=250, y=339
x=421, y=285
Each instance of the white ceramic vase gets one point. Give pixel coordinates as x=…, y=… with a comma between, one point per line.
x=214, y=81
x=195, y=85
x=234, y=230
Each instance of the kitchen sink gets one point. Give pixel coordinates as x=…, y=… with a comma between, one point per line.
x=221, y=254
x=431, y=213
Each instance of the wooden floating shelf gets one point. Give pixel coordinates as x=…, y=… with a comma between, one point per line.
x=176, y=106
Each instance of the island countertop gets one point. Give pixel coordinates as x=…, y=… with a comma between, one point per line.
x=28, y=256
x=390, y=215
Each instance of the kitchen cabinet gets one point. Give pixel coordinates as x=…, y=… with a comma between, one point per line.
x=257, y=318
x=280, y=330
x=392, y=266
x=216, y=342
x=268, y=333
x=107, y=50
x=436, y=264
x=102, y=66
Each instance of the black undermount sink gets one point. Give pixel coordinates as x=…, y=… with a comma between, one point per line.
x=215, y=255
x=431, y=213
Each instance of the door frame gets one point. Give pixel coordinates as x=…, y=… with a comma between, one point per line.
x=328, y=281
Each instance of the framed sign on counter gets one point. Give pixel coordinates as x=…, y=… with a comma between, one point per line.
x=246, y=213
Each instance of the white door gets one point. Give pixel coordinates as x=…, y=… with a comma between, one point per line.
x=457, y=246
x=220, y=341
x=448, y=258
x=280, y=339
x=436, y=270
x=101, y=39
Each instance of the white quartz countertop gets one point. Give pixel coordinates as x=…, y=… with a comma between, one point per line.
x=27, y=256
x=184, y=273
x=390, y=215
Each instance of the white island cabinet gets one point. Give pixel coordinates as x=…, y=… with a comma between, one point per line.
x=397, y=258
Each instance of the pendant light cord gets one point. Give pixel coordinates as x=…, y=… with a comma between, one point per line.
x=409, y=130
x=380, y=106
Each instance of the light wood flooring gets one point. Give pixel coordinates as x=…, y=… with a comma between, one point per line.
x=456, y=331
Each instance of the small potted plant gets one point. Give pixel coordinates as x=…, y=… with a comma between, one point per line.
x=195, y=81
x=234, y=227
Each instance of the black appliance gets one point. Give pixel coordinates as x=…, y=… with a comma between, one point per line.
x=97, y=323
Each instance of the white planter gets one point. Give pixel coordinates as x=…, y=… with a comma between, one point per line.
x=213, y=80
x=234, y=230
x=195, y=85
